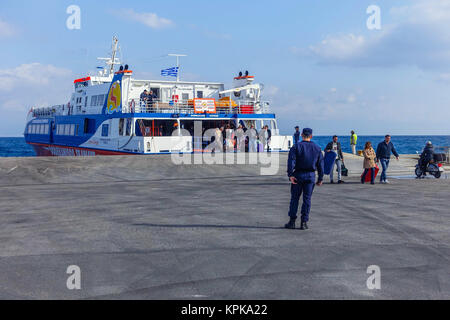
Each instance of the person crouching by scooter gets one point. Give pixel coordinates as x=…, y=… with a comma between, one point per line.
x=369, y=163
x=426, y=157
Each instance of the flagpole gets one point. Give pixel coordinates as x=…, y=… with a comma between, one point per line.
x=178, y=63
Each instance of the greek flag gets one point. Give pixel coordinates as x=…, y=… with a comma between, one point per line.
x=170, y=72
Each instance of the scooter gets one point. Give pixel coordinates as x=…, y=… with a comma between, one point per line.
x=433, y=168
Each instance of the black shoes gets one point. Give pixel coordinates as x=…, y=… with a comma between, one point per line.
x=290, y=224
x=341, y=181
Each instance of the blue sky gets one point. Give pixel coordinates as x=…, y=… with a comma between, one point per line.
x=320, y=64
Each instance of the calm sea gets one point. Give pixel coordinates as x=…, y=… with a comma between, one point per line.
x=16, y=147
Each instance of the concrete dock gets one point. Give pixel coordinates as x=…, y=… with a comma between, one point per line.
x=140, y=227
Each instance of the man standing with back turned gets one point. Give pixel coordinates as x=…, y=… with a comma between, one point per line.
x=305, y=158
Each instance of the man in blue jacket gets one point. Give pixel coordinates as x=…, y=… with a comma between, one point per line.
x=305, y=158
x=296, y=136
x=384, y=151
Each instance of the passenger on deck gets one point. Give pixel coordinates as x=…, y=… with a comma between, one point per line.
x=151, y=97
x=229, y=139
x=264, y=136
x=144, y=97
x=218, y=140
x=240, y=139
x=252, y=139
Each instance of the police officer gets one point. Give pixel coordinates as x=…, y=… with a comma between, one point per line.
x=305, y=158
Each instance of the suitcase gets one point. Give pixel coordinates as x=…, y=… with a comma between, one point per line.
x=260, y=147
x=369, y=174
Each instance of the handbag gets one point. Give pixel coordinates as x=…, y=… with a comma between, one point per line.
x=344, y=170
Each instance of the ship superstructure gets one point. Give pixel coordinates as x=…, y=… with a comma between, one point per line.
x=106, y=115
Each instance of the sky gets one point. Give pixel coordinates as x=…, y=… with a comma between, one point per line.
x=321, y=66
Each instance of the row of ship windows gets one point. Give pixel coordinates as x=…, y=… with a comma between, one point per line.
x=97, y=100
x=66, y=129
x=61, y=129
x=38, y=129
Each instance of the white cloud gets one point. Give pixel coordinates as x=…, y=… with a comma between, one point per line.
x=6, y=29
x=419, y=37
x=30, y=85
x=339, y=47
x=149, y=19
x=33, y=74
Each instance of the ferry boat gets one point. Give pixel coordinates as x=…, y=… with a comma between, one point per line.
x=106, y=115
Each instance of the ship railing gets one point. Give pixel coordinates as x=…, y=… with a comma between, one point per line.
x=187, y=107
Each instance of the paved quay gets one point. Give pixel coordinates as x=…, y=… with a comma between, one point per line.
x=140, y=227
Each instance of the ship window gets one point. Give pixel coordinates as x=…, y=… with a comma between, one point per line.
x=89, y=125
x=72, y=130
x=29, y=129
x=200, y=94
x=66, y=129
x=101, y=99
x=46, y=129
x=77, y=129
x=121, y=122
x=94, y=101
x=162, y=128
x=185, y=96
x=105, y=129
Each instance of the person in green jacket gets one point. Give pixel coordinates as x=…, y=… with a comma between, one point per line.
x=353, y=140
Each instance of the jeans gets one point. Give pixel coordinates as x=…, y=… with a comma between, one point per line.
x=305, y=185
x=385, y=165
x=338, y=163
x=372, y=173
x=252, y=145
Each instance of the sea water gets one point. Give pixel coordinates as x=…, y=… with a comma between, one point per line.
x=16, y=147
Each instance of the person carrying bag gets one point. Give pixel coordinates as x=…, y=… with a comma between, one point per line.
x=369, y=163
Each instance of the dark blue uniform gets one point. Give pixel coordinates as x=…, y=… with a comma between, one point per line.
x=305, y=158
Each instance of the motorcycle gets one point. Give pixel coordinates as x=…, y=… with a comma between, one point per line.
x=433, y=168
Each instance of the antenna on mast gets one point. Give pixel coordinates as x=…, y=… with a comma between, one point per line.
x=178, y=62
x=113, y=60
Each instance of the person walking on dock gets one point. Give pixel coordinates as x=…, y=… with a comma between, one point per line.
x=369, y=163
x=304, y=159
x=296, y=136
x=353, y=141
x=384, y=150
x=335, y=146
